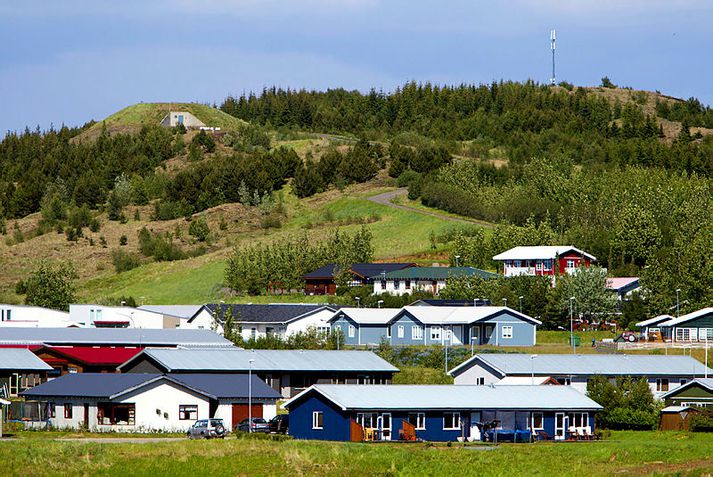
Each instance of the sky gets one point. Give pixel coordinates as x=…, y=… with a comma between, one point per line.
x=70, y=61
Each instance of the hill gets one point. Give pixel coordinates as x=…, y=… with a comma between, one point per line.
x=132, y=118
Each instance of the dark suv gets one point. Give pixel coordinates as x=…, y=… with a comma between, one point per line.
x=279, y=424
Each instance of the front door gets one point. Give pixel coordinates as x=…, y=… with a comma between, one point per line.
x=488, y=332
x=475, y=418
x=560, y=426
x=383, y=423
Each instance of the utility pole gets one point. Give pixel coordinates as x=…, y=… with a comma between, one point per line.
x=553, y=80
x=571, y=324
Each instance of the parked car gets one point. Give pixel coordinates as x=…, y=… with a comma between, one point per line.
x=258, y=425
x=200, y=429
x=280, y=423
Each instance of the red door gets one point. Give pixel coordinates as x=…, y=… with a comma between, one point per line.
x=240, y=412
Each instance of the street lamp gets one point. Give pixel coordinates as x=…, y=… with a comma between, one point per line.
x=379, y=303
x=571, y=323
x=250, y=394
x=457, y=257
x=520, y=298
x=532, y=367
x=505, y=302
x=678, y=302
x=358, y=300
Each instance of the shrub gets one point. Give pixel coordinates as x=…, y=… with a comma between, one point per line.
x=632, y=419
x=199, y=228
x=169, y=210
x=701, y=421
x=124, y=261
x=94, y=225
x=123, y=240
x=407, y=177
x=272, y=221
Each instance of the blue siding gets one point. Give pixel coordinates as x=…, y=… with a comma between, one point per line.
x=523, y=332
x=372, y=334
x=335, y=422
x=343, y=323
x=407, y=321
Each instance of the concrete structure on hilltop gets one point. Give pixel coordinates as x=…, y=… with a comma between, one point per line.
x=188, y=120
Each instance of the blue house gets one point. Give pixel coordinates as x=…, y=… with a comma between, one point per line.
x=441, y=325
x=440, y=413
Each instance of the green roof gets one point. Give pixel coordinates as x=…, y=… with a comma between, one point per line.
x=435, y=273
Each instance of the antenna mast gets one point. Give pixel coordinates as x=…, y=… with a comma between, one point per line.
x=553, y=80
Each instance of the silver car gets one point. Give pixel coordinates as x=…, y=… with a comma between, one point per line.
x=201, y=430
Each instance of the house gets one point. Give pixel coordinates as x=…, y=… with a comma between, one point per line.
x=258, y=321
x=438, y=412
x=543, y=260
x=100, y=316
x=436, y=325
x=124, y=337
x=623, y=286
x=322, y=280
x=663, y=373
x=692, y=327
x=150, y=402
x=84, y=359
x=19, y=370
x=422, y=279
x=528, y=381
x=286, y=371
x=188, y=120
x=23, y=316
x=651, y=328
x=697, y=393
x=182, y=312
x=441, y=302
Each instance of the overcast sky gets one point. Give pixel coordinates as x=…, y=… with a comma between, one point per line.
x=71, y=61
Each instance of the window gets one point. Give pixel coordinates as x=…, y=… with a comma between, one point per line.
x=548, y=264
x=518, y=264
x=570, y=263
x=8, y=315
x=322, y=330
x=480, y=381
x=417, y=419
x=383, y=284
x=365, y=379
x=397, y=284
x=352, y=331
x=538, y=265
x=681, y=382
x=451, y=420
x=565, y=381
x=187, y=412
x=578, y=419
x=317, y=420
x=253, y=333
x=435, y=332
x=662, y=385
x=506, y=332
x=538, y=421
x=400, y=331
x=367, y=420
x=109, y=413
x=51, y=411
x=99, y=315
x=683, y=334
x=269, y=330
x=408, y=284
x=416, y=333
x=68, y=411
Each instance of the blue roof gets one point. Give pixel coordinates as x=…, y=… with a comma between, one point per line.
x=365, y=270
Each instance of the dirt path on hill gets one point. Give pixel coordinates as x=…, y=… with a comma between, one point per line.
x=387, y=197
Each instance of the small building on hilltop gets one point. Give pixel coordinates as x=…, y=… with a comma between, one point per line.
x=176, y=118
x=422, y=279
x=323, y=280
x=543, y=260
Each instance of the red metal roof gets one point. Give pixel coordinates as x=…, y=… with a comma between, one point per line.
x=97, y=356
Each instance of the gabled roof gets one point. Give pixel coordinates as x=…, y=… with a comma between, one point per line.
x=435, y=273
x=21, y=359
x=364, y=270
x=619, y=283
x=705, y=383
x=226, y=386
x=436, y=397
x=278, y=313
x=689, y=317
x=586, y=365
x=654, y=321
x=461, y=314
x=677, y=409
x=111, y=337
x=367, y=316
x=541, y=252
x=442, y=302
x=102, y=356
x=527, y=380
x=177, y=311
x=238, y=360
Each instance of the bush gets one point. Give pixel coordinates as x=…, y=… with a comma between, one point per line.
x=272, y=221
x=160, y=247
x=701, y=421
x=624, y=418
x=407, y=177
x=169, y=210
x=199, y=228
x=124, y=261
x=123, y=240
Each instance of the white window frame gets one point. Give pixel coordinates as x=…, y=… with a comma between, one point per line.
x=542, y=421
x=316, y=417
x=571, y=264
x=352, y=331
x=388, y=331
x=420, y=420
x=508, y=335
x=435, y=333
x=400, y=331
x=456, y=422
x=480, y=381
x=539, y=265
x=416, y=332
x=660, y=385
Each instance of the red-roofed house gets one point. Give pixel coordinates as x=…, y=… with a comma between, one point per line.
x=623, y=286
x=88, y=359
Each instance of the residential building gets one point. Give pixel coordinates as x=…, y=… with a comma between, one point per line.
x=662, y=373
x=322, y=281
x=543, y=260
x=84, y=359
x=150, y=402
x=651, y=328
x=24, y=316
x=422, y=279
x=100, y=316
x=623, y=286
x=695, y=393
x=258, y=321
x=442, y=302
x=20, y=370
x=286, y=371
x=436, y=325
x=182, y=312
x=691, y=327
x=438, y=413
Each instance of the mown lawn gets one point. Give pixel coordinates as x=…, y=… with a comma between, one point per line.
x=626, y=453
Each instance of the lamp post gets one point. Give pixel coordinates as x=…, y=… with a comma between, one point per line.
x=358, y=300
x=571, y=323
x=457, y=257
x=250, y=395
x=520, y=298
x=532, y=367
x=505, y=302
x=379, y=303
x=678, y=302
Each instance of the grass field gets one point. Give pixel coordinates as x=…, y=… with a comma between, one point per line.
x=625, y=453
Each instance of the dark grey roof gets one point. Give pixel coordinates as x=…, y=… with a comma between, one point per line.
x=365, y=270
x=226, y=386
x=267, y=313
x=98, y=385
x=111, y=336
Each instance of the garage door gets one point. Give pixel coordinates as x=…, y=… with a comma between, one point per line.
x=240, y=412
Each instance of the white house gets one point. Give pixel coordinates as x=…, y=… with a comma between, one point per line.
x=424, y=279
x=663, y=373
x=100, y=316
x=27, y=316
x=543, y=260
x=256, y=321
x=151, y=402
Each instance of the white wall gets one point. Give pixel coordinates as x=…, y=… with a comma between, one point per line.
x=136, y=318
x=33, y=317
x=392, y=289
x=202, y=321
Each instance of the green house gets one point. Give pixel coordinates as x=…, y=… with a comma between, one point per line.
x=698, y=393
x=695, y=326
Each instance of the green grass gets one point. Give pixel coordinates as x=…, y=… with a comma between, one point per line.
x=628, y=453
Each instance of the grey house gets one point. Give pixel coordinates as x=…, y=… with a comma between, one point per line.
x=20, y=369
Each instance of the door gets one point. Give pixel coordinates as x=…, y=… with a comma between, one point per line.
x=560, y=426
x=457, y=335
x=487, y=333
x=86, y=416
x=240, y=412
x=475, y=418
x=384, y=426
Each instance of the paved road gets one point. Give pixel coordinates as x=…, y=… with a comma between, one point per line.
x=387, y=197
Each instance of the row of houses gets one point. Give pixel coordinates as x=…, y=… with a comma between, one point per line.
x=696, y=326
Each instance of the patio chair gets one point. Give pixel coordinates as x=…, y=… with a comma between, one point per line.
x=541, y=435
x=571, y=433
x=580, y=434
x=588, y=433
